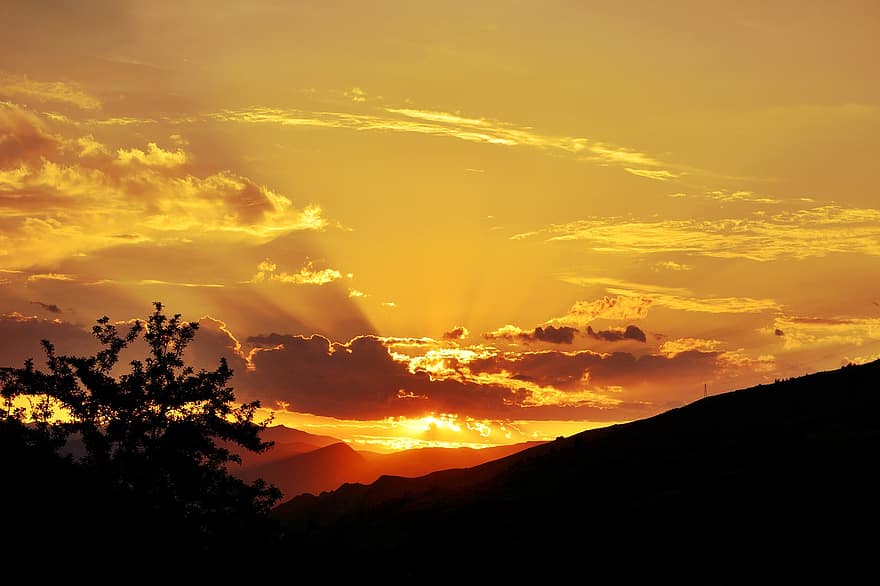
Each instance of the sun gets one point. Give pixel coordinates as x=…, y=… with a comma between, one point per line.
x=444, y=422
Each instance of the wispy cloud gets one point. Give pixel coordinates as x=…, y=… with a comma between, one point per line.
x=673, y=297
x=799, y=234
x=656, y=174
x=180, y=284
x=454, y=125
x=810, y=332
x=26, y=89
x=51, y=277
x=673, y=347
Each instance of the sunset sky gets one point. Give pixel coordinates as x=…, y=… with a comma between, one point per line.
x=456, y=223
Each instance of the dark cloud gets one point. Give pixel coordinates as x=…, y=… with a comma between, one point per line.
x=361, y=380
x=549, y=334
x=50, y=307
x=554, y=335
x=456, y=333
x=568, y=371
x=630, y=333
x=20, y=337
x=779, y=332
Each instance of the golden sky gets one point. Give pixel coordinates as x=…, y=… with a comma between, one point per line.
x=460, y=222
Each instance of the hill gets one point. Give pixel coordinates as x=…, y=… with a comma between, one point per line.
x=774, y=482
x=287, y=442
x=318, y=470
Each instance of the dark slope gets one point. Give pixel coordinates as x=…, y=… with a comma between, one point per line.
x=775, y=482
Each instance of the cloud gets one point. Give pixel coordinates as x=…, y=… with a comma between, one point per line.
x=361, y=380
x=740, y=196
x=456, y=333
x=267, y=271
x=672, y=297
x=356, y=94
x=453, y=125
x=611, y=308
x=618, y=335
x=550, y=334
x=53, y=206
x=656, y=174
x=671, y=265
x=50, y=307
x=20, y=337
x=154, y=156
x=89, y=147
x=816, y=331
x=799, y=234
x=51, y=277
x=743, y=196
x=24, y=137
x=180, y=284
x=23, y=87
x=671, y=348
x=587, y=369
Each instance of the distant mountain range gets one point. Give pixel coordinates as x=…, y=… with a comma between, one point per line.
x=301, y=462
x=773, y=484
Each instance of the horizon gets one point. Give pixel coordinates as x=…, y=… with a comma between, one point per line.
x=403, y=228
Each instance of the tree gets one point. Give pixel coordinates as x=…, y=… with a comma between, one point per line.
x=157, y=439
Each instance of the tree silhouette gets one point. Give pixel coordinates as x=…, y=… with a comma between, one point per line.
x=157, y=439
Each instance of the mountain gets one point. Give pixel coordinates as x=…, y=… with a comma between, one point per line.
x=318, y=470
x=313, y=471
x=775, y=483
x=287, y=442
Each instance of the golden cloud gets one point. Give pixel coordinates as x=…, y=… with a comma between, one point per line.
x=267, y=271
x=154, y=156
x=22, y=87
x=799, y=234
x=445, y=124
x=811, y=332
x=54, y=207
x=620, y=307
x=670, y=297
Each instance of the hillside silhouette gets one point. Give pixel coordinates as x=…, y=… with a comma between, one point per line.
x=316, y=469
x=772, y=483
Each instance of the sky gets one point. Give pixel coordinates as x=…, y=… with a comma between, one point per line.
x=409, y=223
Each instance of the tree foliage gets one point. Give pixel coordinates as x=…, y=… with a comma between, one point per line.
x=157, y=437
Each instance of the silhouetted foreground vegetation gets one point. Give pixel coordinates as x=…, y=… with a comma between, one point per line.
x=152, y=491
x=771, y=484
